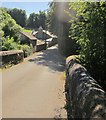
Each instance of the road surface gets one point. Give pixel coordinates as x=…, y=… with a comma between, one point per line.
x=34, y=88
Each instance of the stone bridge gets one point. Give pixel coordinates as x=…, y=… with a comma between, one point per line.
x=86, y=98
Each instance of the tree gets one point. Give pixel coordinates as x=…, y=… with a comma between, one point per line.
x=9, y=44
x=32, y=21
x=42, y=19
x=36, y=20
x=18, y=15
x=9, y=31
x=88, y=30
x=52, y=21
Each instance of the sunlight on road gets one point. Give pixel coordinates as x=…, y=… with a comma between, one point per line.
x=35, y=87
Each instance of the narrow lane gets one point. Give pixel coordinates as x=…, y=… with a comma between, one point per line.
x=34, y=88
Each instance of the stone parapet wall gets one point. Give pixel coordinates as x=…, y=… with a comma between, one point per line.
x=40, y=47
x=86, y=98
x=52, y=42
x=11, y=57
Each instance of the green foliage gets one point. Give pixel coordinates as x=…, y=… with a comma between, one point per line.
x=9, y=31
x=26, y=30
x=52, y=22
x=9, y=44
x=42, y=19
x=27, y=50
x=18, y=15
x=88, y=30
x=9, y=26
x=10, y=35
x=25, y=47
x=31, y=20
x=36, y=20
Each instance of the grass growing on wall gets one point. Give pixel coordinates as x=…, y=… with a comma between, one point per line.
x=26, y=30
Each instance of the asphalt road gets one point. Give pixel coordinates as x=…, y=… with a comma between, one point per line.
x=34, y=88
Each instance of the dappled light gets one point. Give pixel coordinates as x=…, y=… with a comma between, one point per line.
x=85, y=96
x=62, y=50
x=50, y=58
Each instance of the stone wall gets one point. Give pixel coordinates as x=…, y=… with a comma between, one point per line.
x=86, y=99
x=11, y=57
x=40, y=47
x=52, y=42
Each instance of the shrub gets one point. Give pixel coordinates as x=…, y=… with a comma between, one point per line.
x=9, y=26
x=27, y=50
x=9, y=44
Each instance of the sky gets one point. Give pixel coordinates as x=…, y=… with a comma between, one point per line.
x=29, y=7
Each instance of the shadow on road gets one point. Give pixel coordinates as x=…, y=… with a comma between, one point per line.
x=50, y=58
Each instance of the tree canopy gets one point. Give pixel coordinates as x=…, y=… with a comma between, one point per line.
x=18, y=15
x=36, y=20
x=88, y=29
x=9, y=31
x=52, y=21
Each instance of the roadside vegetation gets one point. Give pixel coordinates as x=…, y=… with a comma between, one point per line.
x=10, y=33
x=88, y=29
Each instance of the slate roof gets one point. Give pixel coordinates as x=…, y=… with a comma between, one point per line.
x=29, y=35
